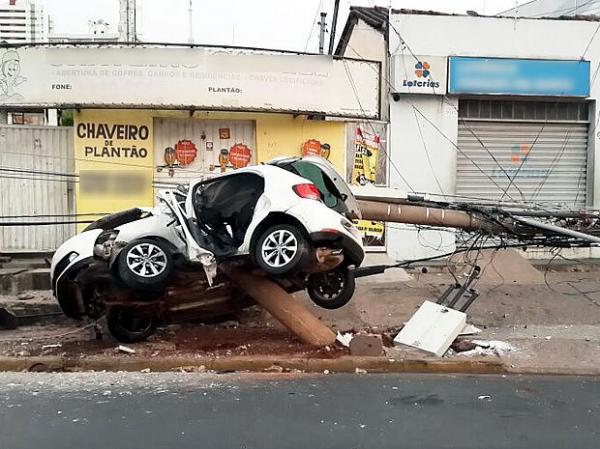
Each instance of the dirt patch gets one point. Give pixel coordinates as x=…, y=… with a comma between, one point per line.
x=505, y=265
x=189, y=339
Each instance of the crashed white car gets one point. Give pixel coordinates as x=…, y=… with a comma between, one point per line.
x=289, y=218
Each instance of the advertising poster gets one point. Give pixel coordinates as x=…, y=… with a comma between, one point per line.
x=364, y=171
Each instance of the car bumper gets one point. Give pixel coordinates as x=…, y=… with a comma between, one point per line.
x=353, y=251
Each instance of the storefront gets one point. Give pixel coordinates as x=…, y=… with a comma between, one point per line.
x=491, y=115
x=533, y=116
x=124, y=156
x=153, y=116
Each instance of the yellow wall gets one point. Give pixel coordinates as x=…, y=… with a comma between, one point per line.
x=281, y=134
x=284, y=135
x=276, y=135
x=114, y=173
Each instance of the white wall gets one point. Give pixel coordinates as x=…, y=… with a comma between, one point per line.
x=427, y=164
x=468, y=36
x=367, y=43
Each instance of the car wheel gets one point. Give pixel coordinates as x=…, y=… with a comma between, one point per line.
x=129, y=325
x=332, y=289
x=145, y=264
x=279, y=249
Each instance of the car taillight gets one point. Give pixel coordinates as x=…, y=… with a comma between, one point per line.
x=308, y=191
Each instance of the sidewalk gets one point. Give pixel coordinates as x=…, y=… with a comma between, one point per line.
x=553, y=328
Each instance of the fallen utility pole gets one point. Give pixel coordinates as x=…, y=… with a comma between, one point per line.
x=419, y=215
x=282, y=306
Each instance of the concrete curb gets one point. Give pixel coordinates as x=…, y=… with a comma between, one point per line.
x=250, y=364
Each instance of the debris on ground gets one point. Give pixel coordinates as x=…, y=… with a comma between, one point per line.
x=485, y=397
x=25, y=296
x=125, y=349
x=367, y=345
x=469, y=329
x=463, y=346
x=488, y=348
x=344, y=338
x=506, y=266
x=51, y=346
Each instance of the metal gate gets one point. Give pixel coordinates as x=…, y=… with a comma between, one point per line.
x=542, y=162
x=208, y=136
x=36, y=183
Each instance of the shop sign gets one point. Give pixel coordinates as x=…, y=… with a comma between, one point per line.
x=420, y=74
x=114, y=160
x=88, y=76
x=501, y=76
x=185, y=151
x=239, y=155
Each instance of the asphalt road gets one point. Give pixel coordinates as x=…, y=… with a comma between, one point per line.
x=169, y=411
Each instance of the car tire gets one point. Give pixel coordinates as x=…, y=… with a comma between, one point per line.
x=145, y=264
x=332, y=289
x=279, y=250
x=126, y=327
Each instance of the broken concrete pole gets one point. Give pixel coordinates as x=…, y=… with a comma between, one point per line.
x=283, y=307
x=367, y=345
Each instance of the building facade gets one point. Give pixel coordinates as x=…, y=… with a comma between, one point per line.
x=22, y=21
x=482, y=108
x=150, y=117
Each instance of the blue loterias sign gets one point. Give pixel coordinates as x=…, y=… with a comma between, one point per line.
x=500, y=76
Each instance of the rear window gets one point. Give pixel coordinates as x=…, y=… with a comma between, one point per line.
x=329, y=193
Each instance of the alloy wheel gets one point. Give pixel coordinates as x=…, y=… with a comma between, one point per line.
x=279, y=248
x=146, y=260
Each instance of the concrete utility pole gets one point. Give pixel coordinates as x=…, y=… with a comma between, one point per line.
x=336, y=8
x=127, y=21
x=190, y=24
x=322, y=31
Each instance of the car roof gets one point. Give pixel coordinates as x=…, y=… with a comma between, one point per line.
x=262, y=170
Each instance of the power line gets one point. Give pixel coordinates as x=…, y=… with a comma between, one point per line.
x=587, y=47
x=562, y=11
x=427, y=153
x=403, y=41
x=389, y=159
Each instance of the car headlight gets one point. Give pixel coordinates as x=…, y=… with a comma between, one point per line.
x=104, y=242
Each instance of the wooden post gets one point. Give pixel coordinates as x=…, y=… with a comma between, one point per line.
x=282, y=306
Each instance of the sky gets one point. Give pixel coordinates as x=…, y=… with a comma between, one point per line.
x=281, y=24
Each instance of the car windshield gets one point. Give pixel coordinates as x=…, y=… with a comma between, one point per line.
x=330, y=195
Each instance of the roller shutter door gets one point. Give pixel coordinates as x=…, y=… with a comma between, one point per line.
x=548, y=161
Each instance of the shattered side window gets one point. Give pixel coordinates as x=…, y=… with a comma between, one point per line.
x=315, y=175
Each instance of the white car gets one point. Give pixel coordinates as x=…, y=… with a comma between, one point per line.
x=291, y=217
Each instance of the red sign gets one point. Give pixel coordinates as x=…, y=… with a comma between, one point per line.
x=185, y=151
x=240, y=155
x=311, y=147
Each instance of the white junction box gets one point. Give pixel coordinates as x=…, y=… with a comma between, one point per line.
x=432, y=328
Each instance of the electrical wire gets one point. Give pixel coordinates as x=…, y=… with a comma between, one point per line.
x=383, y=150
x=437, y=181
